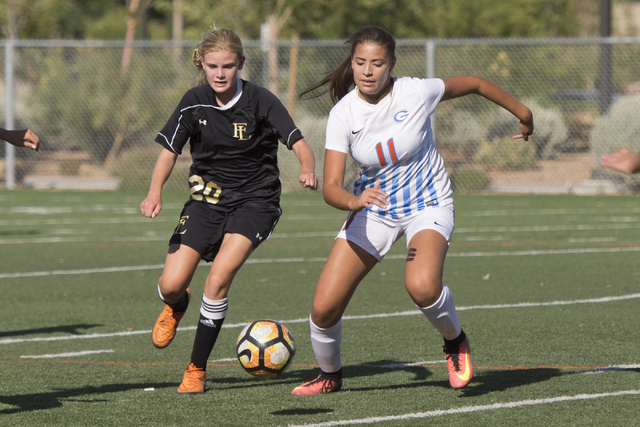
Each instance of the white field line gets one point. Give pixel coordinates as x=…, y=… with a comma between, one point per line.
x=83, y=271
x=77, y=353
x=323, y=259
x=124, y=239
x=139, y=218
x=608, y=369
x=408, y=365
x=543, y=228
x=130, y=208
x=389, y=366
x=77, y=221
x=123, y=208
x=561, y=211
x=357, y=317
x=468, y=409
x=52, y=210
x=102, y=239
x=461, y=230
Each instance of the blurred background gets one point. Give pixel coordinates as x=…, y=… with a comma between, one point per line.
x=97, y=79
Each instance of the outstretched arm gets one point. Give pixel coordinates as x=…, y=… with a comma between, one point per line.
x=623, y=160
x=455, y=87
x=21, y=138
x=305, y=155
x=151, y=206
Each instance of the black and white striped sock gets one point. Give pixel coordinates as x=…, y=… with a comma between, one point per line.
x=212, y=314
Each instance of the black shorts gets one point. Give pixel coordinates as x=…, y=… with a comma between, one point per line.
x=202, y=227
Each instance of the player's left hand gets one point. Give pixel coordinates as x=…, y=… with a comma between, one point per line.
x=309, y=180
x=526, y=129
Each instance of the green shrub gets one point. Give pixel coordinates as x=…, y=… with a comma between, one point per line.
x=459, y=132
x=615, y=130
x=134, y=168
x=550, y=135
x=313, y=130
x=506, y=154
x=69, y=168
x=469, y=180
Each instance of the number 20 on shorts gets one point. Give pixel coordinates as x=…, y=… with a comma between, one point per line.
x=392, y=152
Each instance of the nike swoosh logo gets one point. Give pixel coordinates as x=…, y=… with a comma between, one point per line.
x=467, y=374
x=354, y=132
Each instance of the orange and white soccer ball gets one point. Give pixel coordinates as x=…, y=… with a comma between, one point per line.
x=265, y=348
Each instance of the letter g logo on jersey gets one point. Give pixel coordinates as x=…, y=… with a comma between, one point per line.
x=401, y=116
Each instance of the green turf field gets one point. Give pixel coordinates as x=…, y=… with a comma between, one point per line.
x=548, y=291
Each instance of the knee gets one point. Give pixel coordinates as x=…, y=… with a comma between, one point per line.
x=172, y=287
x=325, y=316
x=216, y=287
x=424, y=292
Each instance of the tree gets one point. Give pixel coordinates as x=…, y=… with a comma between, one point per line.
x=274, y=21
x=321, y=19
x=17, y=14
x=136, y=9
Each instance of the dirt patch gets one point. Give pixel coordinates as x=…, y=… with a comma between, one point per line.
x=566, y=169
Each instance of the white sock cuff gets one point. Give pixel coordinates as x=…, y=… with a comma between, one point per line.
x=214, y=309
x=443, y=316
x=326, y=346
x=437, y=306
x=332, y=333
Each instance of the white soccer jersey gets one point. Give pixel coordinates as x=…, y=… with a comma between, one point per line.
x=392, y=142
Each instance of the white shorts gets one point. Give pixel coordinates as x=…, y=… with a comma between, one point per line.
x=377, y=234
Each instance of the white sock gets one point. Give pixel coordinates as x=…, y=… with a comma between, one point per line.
x=326, y=346
x=443, y=316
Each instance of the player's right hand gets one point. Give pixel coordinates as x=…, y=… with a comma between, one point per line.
x=151, y=206
x=372, y=196
x=31, y=140
x=623, y=160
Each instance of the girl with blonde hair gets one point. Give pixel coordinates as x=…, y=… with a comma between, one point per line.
x=233, y=128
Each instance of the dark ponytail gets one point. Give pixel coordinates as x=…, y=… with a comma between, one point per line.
x=341, y=79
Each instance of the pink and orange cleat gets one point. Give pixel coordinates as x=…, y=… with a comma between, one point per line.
x=459, y=363
x=320, y=385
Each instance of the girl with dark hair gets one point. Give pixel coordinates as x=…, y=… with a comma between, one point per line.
x=403, y=188
x=233, y=128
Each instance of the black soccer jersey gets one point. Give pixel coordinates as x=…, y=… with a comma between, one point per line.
x=234, y=147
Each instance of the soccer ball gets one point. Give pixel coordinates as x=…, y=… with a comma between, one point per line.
x=265, y=348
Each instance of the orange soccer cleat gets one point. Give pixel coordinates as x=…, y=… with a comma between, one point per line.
x=193, y=381
x=166, y=325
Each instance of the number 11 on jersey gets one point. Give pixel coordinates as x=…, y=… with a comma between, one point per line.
x=392, y=152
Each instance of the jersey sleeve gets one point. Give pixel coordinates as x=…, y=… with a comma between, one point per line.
x=278, y=117
x=432, y=91
x=337, y=134
x=179, y=128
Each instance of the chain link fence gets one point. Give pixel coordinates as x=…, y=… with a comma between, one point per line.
x=98, y=106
